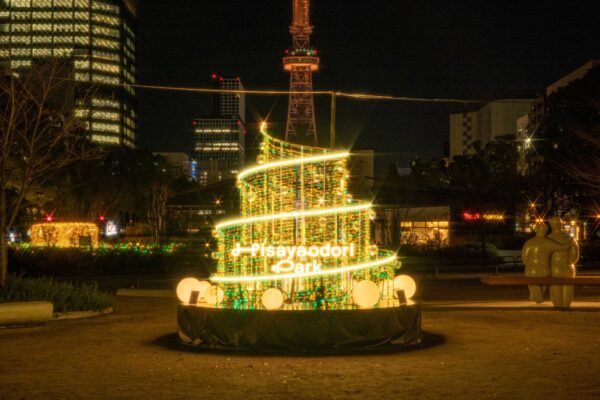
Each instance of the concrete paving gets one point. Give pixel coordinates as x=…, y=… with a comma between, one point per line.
x=471, y=353
x=509, y=305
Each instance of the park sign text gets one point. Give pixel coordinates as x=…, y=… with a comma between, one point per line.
x=288, y=255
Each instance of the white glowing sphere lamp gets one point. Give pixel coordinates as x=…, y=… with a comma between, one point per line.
x=366, y=294
x=272, y=299
x=406, y=283
x=185, y=288
x=203, y=289
x=214, y=295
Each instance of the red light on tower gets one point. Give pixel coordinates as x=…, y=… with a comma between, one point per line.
x=48, y=218
x=102, y=218
x=215, y=76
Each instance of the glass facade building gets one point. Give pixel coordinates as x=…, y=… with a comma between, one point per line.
x=98, y=36
x=219, y=138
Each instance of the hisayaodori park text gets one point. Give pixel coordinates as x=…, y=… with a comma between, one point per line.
x=296, y=259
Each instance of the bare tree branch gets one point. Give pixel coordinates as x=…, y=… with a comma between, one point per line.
x=40, y=134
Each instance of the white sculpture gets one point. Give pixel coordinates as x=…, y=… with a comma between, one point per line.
x=537, y=253
x=562, y=264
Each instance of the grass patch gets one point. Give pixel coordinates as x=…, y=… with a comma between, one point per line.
x=64, y=295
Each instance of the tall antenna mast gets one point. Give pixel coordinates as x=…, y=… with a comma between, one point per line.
x=301, y=60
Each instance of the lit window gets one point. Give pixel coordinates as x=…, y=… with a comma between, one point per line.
x=84, y=40
x=97, y=102
x=109, y=80
x=42, y=27
x=20, y=64
x=20, y=28
x=41, y=53
x=97, y=5
x=82, y=64
x=42, y=39
x=63, y=3
x=105, y=19
x=111, y=44
x=105, y=139
x=82, y=76
x=63, y=52
x=63, y=15
x=105, y=127
x=107, y=115
x=104, y=67
x=82, y=3
x=21, y=52
x=21, y=3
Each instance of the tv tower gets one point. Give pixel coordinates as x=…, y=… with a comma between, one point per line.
x=301, y=60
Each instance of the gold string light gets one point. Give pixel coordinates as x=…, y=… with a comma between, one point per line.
x=298, y=199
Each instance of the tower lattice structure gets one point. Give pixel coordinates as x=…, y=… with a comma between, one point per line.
x=301, y=60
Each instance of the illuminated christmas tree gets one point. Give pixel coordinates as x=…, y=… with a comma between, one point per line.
x=301, y=238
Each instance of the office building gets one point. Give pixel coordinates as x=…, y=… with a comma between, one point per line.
x=98, y=37
x=538, y=109
x=495, y=119
x=219, y=145
x=464, y=131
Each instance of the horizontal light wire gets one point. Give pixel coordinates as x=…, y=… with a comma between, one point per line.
x=292, y=161
x=252, y=278
x=357, y=96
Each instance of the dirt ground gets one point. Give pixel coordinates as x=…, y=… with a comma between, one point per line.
x=133, y=353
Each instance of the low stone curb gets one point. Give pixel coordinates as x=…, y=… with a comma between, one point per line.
x=509, y=306
x=22, y=313
x=80, y=314
x=164, y=293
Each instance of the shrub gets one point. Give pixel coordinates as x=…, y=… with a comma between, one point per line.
x=64, y=295
x=43, y=261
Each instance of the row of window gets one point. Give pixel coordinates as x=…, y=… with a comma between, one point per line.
x=105, y=127
x=48, y=40
x=105, y=139
x=49, y=3
x=216, y=138
x=39, y=32
x=107, y=103
x=106, y=115
x=213, y=130
x=221, y=149
x=68, y=4
x=96, y=42
x=110, y=8
x=107, y=80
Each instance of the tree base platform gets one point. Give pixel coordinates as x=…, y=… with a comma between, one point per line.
x=300, y=331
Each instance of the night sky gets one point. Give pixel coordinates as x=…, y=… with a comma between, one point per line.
x=437, y=48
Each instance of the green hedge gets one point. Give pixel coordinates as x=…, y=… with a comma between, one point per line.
x=64, y=295
x=50, y=261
